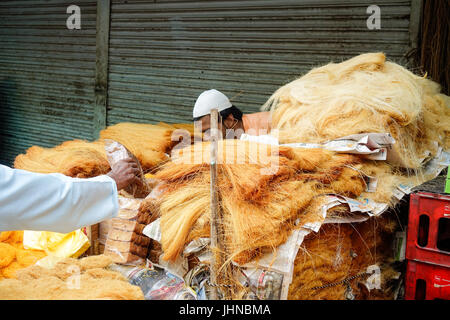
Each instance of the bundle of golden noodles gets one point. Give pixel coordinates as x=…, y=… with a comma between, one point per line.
x=75, y=158
x=262, y=194
x=343, y=251
x=149, y=143
x=13, y=256
x=361, y=95
x=82, y=159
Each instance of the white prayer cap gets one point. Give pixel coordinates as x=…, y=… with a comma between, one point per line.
x=208, y=100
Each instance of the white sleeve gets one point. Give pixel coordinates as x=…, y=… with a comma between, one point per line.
x=54, y=202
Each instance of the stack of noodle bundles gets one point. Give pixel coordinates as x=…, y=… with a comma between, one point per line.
x=361, y=95
x=260, y=208
x=262, y=194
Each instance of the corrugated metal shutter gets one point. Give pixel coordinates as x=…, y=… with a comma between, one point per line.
x=163, y=54
x=46, y=74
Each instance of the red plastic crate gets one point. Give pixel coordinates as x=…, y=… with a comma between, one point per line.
x=433, y=207
x=426, y=281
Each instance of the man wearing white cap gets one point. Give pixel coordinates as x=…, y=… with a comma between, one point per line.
x=232, y=123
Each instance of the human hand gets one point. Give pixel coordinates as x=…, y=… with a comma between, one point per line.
x=124, y=172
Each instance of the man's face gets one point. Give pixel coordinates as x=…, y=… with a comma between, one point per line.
x=203, y=126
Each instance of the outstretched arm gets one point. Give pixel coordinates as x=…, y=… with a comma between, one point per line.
x=54, y=202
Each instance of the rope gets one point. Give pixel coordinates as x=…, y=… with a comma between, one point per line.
x=220, y=285
x=339, y=282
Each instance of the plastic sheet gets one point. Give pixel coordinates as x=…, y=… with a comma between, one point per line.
x=116, y=152
x=65, y=245
x=157, y=283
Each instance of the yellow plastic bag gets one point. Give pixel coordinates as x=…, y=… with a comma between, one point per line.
x=63, y=245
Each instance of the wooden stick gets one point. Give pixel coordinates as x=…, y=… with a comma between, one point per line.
x=214, y=202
